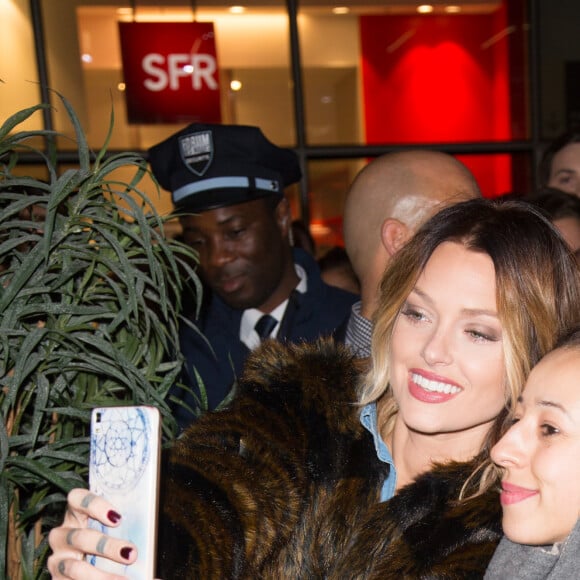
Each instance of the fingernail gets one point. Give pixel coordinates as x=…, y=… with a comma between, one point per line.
x=126, y=552
x=113, y=516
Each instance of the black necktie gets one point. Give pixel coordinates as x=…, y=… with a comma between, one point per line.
x=265, y=325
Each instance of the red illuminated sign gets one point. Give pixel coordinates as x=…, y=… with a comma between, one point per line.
x=170, y=72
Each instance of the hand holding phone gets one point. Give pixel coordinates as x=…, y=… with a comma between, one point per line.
x=124, y=469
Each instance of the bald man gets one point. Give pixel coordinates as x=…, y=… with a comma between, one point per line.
x=387, y=202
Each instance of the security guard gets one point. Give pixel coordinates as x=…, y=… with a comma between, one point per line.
x=227, y=184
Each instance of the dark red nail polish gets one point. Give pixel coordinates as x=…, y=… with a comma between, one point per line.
x=113, y=516
x=126, y=552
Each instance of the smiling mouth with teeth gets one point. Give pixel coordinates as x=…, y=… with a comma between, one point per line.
x=434, y=386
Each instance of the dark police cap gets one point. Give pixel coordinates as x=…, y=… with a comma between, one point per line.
x=209, y=166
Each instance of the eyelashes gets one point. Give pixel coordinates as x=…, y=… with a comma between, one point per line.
x=548, y=430
x=416, y=316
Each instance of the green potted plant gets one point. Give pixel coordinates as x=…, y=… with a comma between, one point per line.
x=90, y=296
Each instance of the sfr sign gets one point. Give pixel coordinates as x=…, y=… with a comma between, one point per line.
x=170, y=71
x=197, y=69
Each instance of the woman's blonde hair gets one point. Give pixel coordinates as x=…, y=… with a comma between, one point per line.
x=537, y=289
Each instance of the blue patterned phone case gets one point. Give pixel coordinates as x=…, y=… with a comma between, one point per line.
x=124, y=468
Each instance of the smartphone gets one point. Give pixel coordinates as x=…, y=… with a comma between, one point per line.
x=124, y=468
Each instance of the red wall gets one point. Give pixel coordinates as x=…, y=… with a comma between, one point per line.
x=429, y=79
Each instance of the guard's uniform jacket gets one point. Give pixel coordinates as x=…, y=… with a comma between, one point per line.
x=217, y=355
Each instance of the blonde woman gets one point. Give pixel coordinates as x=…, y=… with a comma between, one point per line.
x=311, y=472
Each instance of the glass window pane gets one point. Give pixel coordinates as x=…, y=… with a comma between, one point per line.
x=559, y=66
x=329, y=183
x=396, y=76
x=252, y=53
x=330, y=56
x=19, y=88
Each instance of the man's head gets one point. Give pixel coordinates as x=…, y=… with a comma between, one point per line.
x=244, y=253
x=563, y=210
x=227, y=184
x=389, y=199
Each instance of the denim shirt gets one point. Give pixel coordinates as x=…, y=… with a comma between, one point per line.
x=368, y=418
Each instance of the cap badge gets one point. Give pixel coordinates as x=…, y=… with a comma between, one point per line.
x=196, y=150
